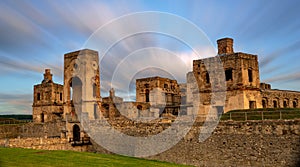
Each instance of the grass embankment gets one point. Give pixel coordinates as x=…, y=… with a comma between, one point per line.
x=262, y=114
x=12, y=157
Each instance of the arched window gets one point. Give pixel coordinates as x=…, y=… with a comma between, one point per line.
x=295, y=103
x=264, y=103
x=75, y=90
x=285, y=103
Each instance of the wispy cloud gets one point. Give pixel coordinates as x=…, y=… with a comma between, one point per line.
x=15, y=103
x=280, y=52
x=35, y=34
x=286, y=78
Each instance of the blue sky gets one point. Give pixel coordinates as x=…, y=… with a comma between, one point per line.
x=35, y=34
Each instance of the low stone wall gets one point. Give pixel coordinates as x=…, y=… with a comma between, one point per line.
x=32, y=130
x=43, y=144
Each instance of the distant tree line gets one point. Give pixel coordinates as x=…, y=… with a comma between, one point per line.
x=17, y=117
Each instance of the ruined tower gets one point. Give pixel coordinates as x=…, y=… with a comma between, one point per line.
x=225, y=46
x=81, y=88
x=47, y=100
x=241, y=77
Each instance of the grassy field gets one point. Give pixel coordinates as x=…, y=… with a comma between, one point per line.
x=262, y=114
x=13, y=157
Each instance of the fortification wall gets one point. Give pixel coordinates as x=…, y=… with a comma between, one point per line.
x=249, y=143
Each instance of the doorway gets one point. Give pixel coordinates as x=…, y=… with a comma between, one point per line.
x=76, y=133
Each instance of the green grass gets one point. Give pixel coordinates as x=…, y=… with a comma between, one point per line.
x=12, y=157
x=266, y=114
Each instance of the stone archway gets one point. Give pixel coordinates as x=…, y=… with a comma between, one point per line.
x=75, y=89
x=265, y=102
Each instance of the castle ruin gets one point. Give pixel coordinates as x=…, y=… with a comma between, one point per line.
x=156, y=97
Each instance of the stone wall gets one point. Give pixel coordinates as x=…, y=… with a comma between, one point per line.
x=272, y=98
x=257, y=143
x=42, y=143
x=232, y=143
x=250, y=143
x=32, y=130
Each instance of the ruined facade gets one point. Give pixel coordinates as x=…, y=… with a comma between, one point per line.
x=47, y=100
x=160, y=93
x=274, y=98
x=109, y=105
x=243, y=87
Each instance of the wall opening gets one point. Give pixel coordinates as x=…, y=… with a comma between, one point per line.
x=96, y=115
x=275, y=105
x=250, y=75
x=106, y=106
x=76, y=133
x=38, y=97
x=285, y=103
x=42, y=117
x=60, y=96
x=94, y=90
x=207, y=79
x=252, y=104
x=75, y=90
x=264, y=103
x=228, y=74
x=295, y=104
x=147, y=95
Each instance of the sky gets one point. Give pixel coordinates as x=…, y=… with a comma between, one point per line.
x=35, y=35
